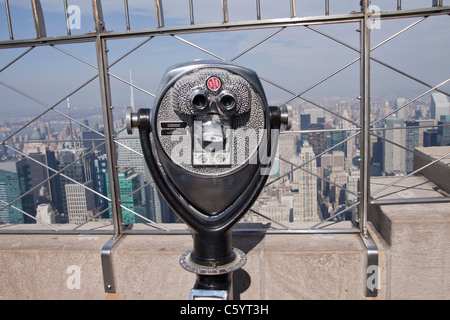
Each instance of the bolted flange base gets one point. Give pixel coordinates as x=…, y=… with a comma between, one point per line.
x=188, y=264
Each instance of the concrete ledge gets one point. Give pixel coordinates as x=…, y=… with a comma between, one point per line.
x=146, y=267
x=418, y=238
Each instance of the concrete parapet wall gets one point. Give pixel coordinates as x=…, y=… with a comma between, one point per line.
x=146, y=267
x=413, y=258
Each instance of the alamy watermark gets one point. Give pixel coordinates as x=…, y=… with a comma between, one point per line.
x=374, y=21
x=373, y=277
x=74, y=279
x=74, y=17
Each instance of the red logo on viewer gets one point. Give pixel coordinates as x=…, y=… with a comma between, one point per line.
x=213, y=83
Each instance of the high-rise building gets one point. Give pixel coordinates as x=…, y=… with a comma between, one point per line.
x=130, y=155
x=394, y=161
x=14, y=182
x=439, y=105
x=80, y=202
x=41, y=162
x=305, y=209
x=129, y=182
x=76, y=175
x=401, y=113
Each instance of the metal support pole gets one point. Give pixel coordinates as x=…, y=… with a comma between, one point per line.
x=108, y=122
x=225, y=11
x=365, y=120
x=39, y=21
x=293, y=9
x=105, y=92
x=8, y=19
x=159, y=13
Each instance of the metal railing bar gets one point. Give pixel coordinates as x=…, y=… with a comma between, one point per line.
x=398, y=33
x=129, y=52
x=334, y=216
x=409, y=102
x=66, y=14
x=8, y=20
x=245, y=25
x=191, y=12
x=49, y=141
x=127, y=14
x=28, y=215
x=320, y=177
x=419, y=200
x=270, y=219
x=257, y=44
x=59, y=232
x=176, y=232
x=332, y=38
x=410, y=174
x=110, y=73
x=293, y=9
x=132, y=85
x=198, y=47
x=153, y=224
x=73, y=56
x=318, y=130
x=412, y=127
x=55, y=174
x=258, y=9
x=224, y=11
x=16, y=59
x=312, y=159
x=49, y=108
x=159, y=13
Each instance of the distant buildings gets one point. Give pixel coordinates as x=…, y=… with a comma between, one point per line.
x=439, y=105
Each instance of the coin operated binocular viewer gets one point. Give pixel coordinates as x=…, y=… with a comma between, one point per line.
x=209, y=143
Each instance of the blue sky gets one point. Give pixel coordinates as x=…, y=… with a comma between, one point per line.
x=295, y=58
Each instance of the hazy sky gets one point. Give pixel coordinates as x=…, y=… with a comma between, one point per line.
x=295, y=58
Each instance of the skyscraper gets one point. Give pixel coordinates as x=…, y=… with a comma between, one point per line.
x=129, y=182
x=15, y=181
x=439, y=105
x=73, y=192
x=305, y=208
x=394, y=161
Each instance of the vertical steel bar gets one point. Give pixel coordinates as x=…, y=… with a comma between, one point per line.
x=8, y=19
x=105, y=92
x=225, y=11
x=159, y=13
x=293, y=9
x=365, y=119
x=399, y=4
x=66, y=14
x=258, y=9
x=108, y=121
x=98, y=15
x=327, y=7
x=38, y=16
x=191, y=11
x=127, y=14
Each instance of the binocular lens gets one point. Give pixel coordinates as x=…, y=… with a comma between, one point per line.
x=227, y=100
x=199, y=100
